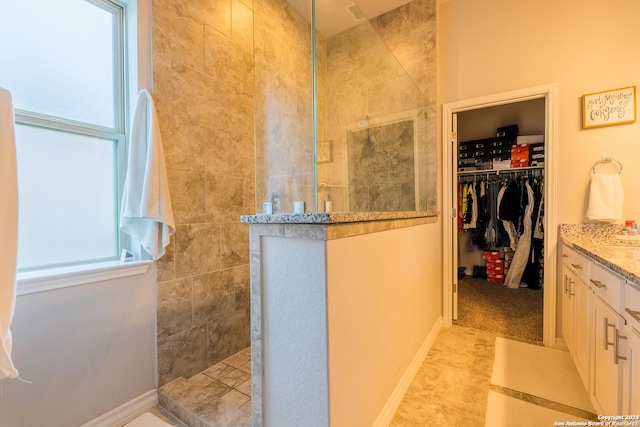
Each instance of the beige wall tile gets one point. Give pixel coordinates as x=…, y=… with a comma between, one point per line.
x=197, y=249
x=211, y=147
x=175, y=140
x=224, y=199
x=214, y=296
x=242, y=25
x=182, y=354
x=187, y=196
x=234, y=244
x=175, y=312
x=176, y=34
x=166, y=265
x=214, y=13
x=223, y=58
x=203, y=89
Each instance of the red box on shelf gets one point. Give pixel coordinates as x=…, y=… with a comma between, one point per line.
x=495, y=267
x=498, y=278
x=490, y=255
x=520, y=156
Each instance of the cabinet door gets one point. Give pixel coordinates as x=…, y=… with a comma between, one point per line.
x=568, y=281
x=566, y=253
x=631, y=384
x=606, y=371
x=581, y=338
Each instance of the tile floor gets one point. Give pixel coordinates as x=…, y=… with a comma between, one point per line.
x=453, y=383
x=450, y=388
x=219, y=396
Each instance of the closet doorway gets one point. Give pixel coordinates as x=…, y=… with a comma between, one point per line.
x=477, y=120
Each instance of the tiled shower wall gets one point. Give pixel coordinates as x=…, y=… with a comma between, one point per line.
x=203, y=89
x=409, y=31
x=381, y=168
x=283, y=105
x=203, y=59
x=384, y=71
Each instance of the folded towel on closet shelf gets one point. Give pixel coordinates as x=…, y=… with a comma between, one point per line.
x=146, y=213
x=8, y=231
x=606, y=197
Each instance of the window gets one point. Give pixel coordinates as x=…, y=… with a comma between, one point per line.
x=63, y=62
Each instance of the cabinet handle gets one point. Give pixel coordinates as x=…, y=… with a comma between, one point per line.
x=565, y=256
x=616, y=347
x=634, y=314
x=571, y=291
x=598, y=284
x=606, y=333
x=566, y=279
x=578, y=266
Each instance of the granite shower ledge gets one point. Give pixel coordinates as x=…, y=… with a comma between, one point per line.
x=598, y=242
x=334, y=225
x=333, y=217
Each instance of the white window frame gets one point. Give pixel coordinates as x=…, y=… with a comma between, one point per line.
x=138, y=57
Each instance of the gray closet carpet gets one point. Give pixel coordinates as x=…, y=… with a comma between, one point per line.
x=495, y=308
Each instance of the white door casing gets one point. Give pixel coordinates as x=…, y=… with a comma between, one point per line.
x=449, y=191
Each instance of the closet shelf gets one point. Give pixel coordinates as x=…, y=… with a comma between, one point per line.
x=500, y=171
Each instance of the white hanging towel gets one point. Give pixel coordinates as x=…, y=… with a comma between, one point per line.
x=146, y=213
x=605, y=197
x=8, y=231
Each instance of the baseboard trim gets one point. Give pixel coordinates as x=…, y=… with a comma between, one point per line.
x=390, y=408
x=561, y=344
x=126, y=411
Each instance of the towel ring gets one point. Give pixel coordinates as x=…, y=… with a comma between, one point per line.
x=607, y=160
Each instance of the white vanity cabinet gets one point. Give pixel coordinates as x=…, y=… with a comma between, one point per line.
x=568, y=280
x=631, y=366
x=609, y=329
x=575, y=309
x=606, y=385
x=582, y=333
x=631, y=373
x=601, y=327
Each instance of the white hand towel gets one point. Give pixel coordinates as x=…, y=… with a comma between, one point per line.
x=8, y=231
x=605, y=197
x=146, y=213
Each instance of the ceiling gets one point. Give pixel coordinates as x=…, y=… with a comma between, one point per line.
x=333, y=16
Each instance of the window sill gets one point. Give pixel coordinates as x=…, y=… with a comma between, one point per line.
x=30, y=282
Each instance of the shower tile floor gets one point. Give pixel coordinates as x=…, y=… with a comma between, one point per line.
x=219, y=396
x=450, y=388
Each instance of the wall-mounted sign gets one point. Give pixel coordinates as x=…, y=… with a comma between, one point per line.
x=612, y=107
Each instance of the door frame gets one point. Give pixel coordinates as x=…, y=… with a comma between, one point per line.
x=449, y=192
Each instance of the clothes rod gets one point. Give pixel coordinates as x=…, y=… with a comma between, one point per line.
x=500, y=171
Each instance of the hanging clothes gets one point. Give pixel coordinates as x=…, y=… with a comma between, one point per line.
x=520, y=258
x=507, y=225
x=531, y=275
x=460, y=204
x=482, y=218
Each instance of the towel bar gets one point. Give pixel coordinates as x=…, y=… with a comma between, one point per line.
x=606, y=160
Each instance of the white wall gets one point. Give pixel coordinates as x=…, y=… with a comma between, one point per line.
x=384, y=298
x=294, y=331
x=585, y=46
x=86, y=350
x=345, y=324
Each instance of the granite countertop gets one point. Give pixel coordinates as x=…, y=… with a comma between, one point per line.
x=333, y=217
x=598, y=241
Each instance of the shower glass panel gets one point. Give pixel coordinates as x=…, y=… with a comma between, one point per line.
x=337, y=116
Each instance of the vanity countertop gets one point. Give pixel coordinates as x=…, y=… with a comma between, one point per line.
x=598, y=241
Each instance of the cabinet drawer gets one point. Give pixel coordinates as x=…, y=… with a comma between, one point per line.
x=567, y=254
x=607, y=285
x=580, y=266
x=631, y=307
